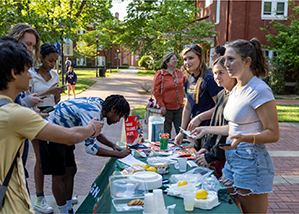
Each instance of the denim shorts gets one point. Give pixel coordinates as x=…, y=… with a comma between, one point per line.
x=250, y=167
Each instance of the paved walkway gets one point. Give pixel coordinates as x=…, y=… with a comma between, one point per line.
x=285, y=153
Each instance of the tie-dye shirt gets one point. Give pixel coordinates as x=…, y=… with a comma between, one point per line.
x=78, y=112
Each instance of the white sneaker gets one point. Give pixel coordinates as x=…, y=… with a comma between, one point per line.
x=75, y=200
x=42, y=206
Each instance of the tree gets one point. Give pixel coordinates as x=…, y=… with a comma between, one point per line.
x=108, y=32
x=283, y=39
x=155, y=27
x=44, y=15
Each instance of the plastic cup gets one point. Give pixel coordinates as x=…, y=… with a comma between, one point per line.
x=149, y=206
x=182, y=164
x=159, y=199
x=163, y=143
x=189, y=199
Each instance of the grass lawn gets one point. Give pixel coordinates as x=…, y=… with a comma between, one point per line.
x=287, y=97
x=146, y=72
x=286, y=113
x=82, y=79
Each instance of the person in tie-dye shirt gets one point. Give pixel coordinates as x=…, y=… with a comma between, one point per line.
x=59, y=161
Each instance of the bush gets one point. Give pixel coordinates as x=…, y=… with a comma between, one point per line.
x=146, y=61
x=276, y=76
x=125, y=65
x=89, y=64
x=109, y=64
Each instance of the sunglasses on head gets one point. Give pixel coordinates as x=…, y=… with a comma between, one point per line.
x=190, y=46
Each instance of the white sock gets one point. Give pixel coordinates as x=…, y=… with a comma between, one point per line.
x=63, y=209
x=69, y=205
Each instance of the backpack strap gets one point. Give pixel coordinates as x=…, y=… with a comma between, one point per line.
x=7, y=178
x=4, y=102
x=162, y=80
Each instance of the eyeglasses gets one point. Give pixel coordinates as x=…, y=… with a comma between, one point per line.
x=190, y=46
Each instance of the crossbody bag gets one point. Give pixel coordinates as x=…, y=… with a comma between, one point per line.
x=4, y=186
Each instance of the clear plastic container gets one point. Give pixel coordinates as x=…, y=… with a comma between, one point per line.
x=123, y=190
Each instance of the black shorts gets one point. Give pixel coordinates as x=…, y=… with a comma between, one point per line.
x=55, y=157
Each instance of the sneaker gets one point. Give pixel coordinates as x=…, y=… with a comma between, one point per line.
x=42, y=206
x=71, y=211
x=75, y=200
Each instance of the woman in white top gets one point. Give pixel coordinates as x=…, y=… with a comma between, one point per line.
x=251, y=112
x=44, y=82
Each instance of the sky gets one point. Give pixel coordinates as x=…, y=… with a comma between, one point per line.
x=120, y=7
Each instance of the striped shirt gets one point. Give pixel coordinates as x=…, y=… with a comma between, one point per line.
x=78, y=112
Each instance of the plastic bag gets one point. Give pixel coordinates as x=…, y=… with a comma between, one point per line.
x=155, y=127
x=211, y=184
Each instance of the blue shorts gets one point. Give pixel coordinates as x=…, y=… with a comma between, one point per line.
x=250, y=167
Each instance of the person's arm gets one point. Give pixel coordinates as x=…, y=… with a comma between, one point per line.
x=207, y=115
x=113, y=153
x=54, y=89
x=75, y=76
x=116, y=152
x=185, y=120
x=157, y=91
x=69, y=136
x=199, y=132
x=268, y=116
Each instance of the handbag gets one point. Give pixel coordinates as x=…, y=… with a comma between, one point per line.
x=3, y=187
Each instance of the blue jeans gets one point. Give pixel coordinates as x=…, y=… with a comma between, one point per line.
x=250, y=167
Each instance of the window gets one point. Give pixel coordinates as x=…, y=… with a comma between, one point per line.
x=269, y=54
x=208, y=3
x=81, y=31
x=100, y=61
x=81, y=61
x=275, y=9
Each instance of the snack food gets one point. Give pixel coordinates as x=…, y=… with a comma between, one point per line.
x=135, y=202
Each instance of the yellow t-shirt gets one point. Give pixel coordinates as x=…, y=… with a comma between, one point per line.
x=16, y=124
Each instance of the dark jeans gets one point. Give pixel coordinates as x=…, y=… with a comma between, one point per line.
x=174, y=116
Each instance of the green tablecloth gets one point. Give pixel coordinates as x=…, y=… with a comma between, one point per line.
x=100, y=201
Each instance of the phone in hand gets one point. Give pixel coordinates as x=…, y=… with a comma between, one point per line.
x=47, y=110
x=45, y=96
x=63, y=86
x=224, y=144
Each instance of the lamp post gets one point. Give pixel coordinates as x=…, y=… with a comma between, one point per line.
x=110, y=57
x=117, y=50
x=97, y=41
x=61, y=28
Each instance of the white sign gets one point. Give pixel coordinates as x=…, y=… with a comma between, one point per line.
x=68, y=47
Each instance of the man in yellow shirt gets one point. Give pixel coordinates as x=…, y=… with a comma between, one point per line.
x=18, y=123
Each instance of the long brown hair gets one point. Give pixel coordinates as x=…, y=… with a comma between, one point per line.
x=18, y=32
x=202, y=68
x=252, y=49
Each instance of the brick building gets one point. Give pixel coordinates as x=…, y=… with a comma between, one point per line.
x=124, y=56
x=241, y=19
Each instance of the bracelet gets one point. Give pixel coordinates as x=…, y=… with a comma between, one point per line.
x=199, y=118
x=253, y=136
x=95, y=130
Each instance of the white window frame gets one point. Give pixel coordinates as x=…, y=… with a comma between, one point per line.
x=100, y=61
x=270, y=55
x=78, y=61
x=81, y=31
x=208, y=3
x=273, y=10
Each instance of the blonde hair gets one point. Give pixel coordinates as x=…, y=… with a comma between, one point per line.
x=202, y=68
x=18, y=32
